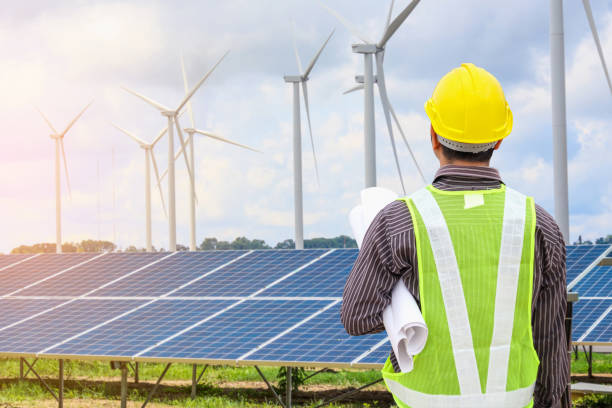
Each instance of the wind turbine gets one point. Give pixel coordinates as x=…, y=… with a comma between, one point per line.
x=296, y=80
x=172, y=117
x=371, y=49
x=59, y=145
x=149, y=157
x=191, y=131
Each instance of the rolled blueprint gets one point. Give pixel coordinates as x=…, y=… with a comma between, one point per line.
x=405, y=326
x=403, y=320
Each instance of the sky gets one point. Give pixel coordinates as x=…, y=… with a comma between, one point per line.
x=58, y=56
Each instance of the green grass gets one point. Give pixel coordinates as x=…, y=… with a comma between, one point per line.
x=97, y=381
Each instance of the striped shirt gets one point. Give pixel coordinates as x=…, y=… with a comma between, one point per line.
x=388, y=253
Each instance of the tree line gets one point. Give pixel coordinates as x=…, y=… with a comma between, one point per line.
x=90, y=245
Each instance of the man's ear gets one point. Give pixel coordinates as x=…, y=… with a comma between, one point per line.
x=435, y=143
x=497, y=144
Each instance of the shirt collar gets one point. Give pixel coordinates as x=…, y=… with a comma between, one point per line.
x=478, y=172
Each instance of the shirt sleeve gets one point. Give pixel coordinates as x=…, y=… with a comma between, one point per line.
x=368, y=288
x=548, y=324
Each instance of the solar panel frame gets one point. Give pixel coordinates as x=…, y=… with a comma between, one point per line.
x=7, y=261
x=590, y=248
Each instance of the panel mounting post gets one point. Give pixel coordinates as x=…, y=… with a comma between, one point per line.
x=60, y=398
x=124, y=385
x=194, y=374
x=21, y=368
x=289, y=386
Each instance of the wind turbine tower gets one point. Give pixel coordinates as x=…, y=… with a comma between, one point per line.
x=191, y=131
x=172, y=117
x=371, y=50
x=296, y=80
x=59, y=145
x=149, y=157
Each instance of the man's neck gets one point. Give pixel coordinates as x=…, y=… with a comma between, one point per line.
x=444, y=162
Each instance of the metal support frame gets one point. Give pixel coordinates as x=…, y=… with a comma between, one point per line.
x=346, y=394
x=21, y=376
x=323, y=370
x=289, y=388
x=159, y=380
x=134, y=368
x=58, y=397
x=124, y=384
x=195, y=379
x=589, y=358
x=279, y=399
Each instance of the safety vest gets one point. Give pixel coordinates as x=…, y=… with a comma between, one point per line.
x=475, y=252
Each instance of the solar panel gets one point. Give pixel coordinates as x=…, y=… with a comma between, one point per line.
x=324, y=278
x=14, y=310
x=602, y=331
x=35, y=269
x=580, y=257
x=237, y=330
x=585, y=313
x=36, y=334
x=322, y=340
x=6, y=260
x=169, y=274
x=92, y=275
x=254, y=271
x=141, y=329
x=597, y=283
x=244, y=307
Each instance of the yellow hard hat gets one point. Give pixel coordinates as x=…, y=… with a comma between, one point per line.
x=469, y=106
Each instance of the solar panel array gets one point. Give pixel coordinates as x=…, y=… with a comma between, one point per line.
x=239, y=307
x=592, y=317
x=244, y=307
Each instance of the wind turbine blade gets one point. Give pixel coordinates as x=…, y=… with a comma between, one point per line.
x=159, y=180
x=314, y=155
x=389, y=15
x=47, y=120
x=197, y=86
x=397, y=23
x=189, y=107
x=76, y=118
x=159, y=136
x=382, y=89
x=183, y=148
x=131, y=135
x=151, y=102
x=297, y=55
x=316, y=57
x=589, y=13
x=353, y=89
x=66, y=168
x=345, y=23
x=213, y=136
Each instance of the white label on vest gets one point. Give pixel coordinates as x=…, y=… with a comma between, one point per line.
x=473, y=200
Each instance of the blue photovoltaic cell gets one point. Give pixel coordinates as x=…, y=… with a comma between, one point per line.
x=141, y=329
x=585, y=313
x=322, y=339
x=602, y=333
x=92, y=275
x=324, y=278
x=237, y=330
x=579, y=257
x=378, y=356
x=14, y=310
x=6, y=260
x=251, y=273
x=35, y=269
x=34, y=335
x=169, y=274
x=597, y=283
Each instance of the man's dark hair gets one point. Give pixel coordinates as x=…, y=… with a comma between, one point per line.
x=479, y=157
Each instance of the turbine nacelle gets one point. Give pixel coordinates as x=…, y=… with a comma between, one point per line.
x=366, y=48
x=294, y=78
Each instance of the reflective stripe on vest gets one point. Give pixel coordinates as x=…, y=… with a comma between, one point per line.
x=506, y=399
x=513, y=230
